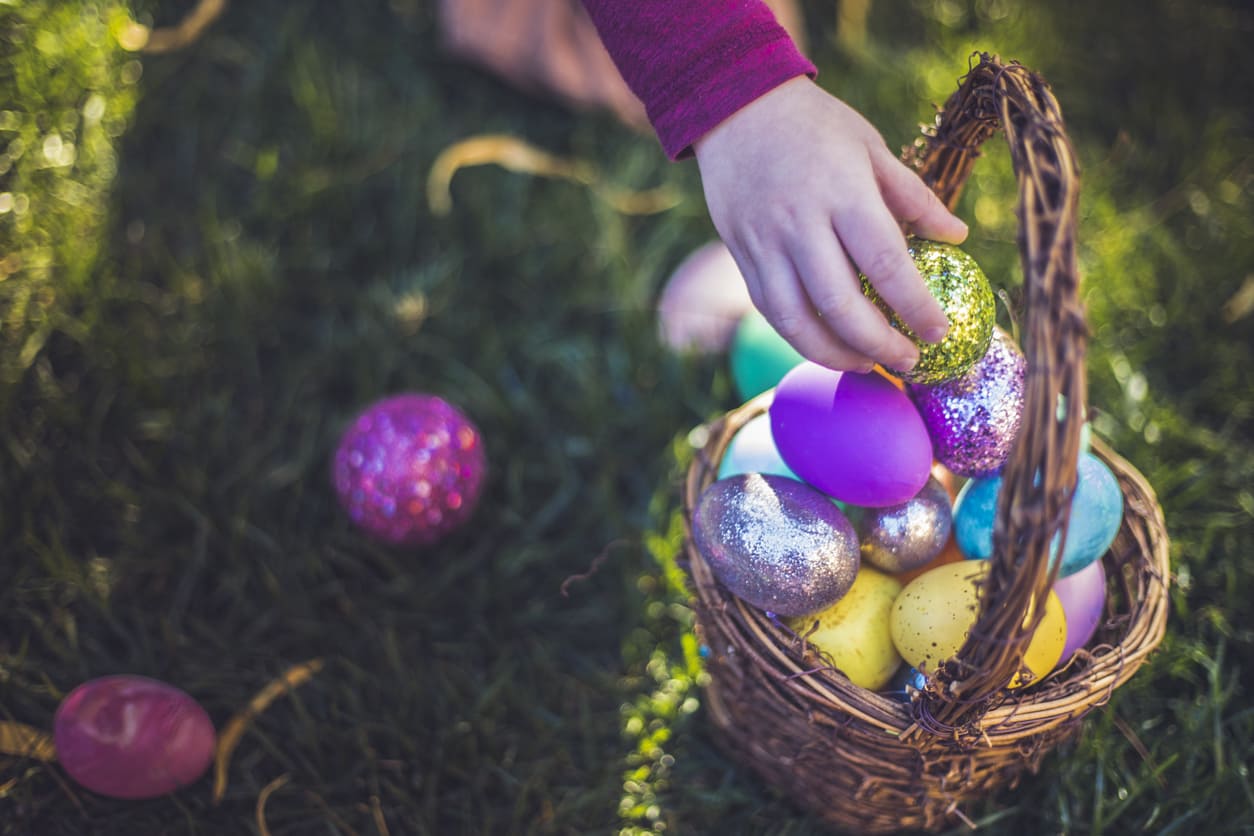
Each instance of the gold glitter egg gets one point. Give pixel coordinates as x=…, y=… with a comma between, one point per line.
x=964, y=293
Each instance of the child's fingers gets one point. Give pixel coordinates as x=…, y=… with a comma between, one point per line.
x=778, y=293
x=836, y=295
x=913, y=203
x=875, y=243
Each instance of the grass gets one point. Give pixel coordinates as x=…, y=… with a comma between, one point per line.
x=259, y=262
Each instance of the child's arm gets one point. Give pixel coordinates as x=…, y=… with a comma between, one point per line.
x=801, y=188
x=798, y=184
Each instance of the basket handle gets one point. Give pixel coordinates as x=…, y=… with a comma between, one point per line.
x=1040, y=475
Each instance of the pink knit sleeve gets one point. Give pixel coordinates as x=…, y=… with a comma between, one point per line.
x=695, y=62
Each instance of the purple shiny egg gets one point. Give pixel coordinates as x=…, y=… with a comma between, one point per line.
x=132, y=737
x=973, y=420
x=856, y=437
x=410, y=469
x=776, y=543
x=1083, y=597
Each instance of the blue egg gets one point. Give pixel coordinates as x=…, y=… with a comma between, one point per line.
x=752, y=450
x=906, y=681
x=975, y=511
x=1096, y=514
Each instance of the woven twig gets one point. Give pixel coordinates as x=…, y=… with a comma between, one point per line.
x=870, y=763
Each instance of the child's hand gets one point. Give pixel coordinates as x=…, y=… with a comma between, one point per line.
x=802, y=188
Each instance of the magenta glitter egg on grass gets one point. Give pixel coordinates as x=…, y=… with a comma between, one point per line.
x=410, y=469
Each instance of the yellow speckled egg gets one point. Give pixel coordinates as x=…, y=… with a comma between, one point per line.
x=932, y=616
x=854, y=631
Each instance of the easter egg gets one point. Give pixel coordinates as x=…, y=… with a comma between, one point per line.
x=752, y=450
x=965, y=296
x=905, y=683
x=934, y=614
x=1086, y=430
x=409, y=469
x=949, y=553
x=759, y=356
x=898, y=538
x=132, y=737
x=777, y=543
x=853, y=436
x=1083, y=596
x=1045, y=649
x=1096, y=514
x=931, y=617
x=973, y=419
x=703, y=301
x=947, y=478
x=853, y=632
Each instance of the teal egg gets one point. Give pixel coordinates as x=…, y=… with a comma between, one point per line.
x=760, y=357
x=1086, y=431
x=1096, y=514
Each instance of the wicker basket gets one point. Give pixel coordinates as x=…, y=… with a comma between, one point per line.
x=870, y=763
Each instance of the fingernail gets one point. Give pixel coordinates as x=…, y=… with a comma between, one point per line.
x=906, y=362
x=935, y=334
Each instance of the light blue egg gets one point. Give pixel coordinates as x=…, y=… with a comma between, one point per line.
x=752, y=450
x=975, y=510
x=760, y=357
x=1096, y=514
x=904, y=683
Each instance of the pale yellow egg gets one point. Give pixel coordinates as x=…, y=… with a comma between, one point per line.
x=933, y=615
x=854, y=631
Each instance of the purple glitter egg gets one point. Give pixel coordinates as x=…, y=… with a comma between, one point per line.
x=410, y=469
x=973, y=420
x=777, y=543
x=132, y=737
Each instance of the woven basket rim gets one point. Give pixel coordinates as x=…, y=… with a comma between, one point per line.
x=1065, y=694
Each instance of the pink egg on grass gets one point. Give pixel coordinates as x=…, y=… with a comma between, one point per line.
x=856, y=437
x=703, y=301
x=409, y=469
x=132, y=737
x=1083, y=597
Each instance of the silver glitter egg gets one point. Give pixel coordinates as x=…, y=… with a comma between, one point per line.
x=776, y=543
x=902, y=537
